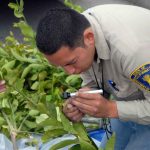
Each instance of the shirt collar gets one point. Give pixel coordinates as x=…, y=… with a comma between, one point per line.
x=102, y=48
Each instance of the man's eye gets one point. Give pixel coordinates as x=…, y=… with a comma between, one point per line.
x=71, y=63
x=74, y=62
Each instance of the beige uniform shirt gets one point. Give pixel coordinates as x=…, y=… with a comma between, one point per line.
x=122, y=36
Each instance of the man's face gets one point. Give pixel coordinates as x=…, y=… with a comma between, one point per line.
x=73, y=61
x=77, y=60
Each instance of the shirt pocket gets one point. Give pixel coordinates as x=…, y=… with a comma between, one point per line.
x=126, y=91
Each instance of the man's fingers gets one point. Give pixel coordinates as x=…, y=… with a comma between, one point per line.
x=87, y=109
x=69, y=108
x=81, y=105
x=84, y=89
x=88, y=96
x=72, y=112
x=75, y=116
x=78, y=118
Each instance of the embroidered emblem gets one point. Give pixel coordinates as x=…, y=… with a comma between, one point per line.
x=142, y=76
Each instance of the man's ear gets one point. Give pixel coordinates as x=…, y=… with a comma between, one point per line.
x=88, y=37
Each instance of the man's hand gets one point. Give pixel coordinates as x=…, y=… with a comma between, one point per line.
x=72, y=112
x=95, y=105
x=2, y=86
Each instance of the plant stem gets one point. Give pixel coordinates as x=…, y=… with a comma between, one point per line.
x=11, y=130
x=13, y=139
x=25, y=118
x=37, y=133
x=21, y=93
x=7, y=120
x=13, y=116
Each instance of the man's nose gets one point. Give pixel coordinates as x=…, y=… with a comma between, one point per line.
x=69, y=69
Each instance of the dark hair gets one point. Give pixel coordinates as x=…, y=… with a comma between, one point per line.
x=61, y=26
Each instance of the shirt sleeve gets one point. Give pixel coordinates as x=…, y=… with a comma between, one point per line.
x=136, y=67
x=137, y=110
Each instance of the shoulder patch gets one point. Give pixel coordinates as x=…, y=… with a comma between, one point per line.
x=141, y=76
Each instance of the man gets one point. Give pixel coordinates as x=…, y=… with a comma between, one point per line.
x=109, y=45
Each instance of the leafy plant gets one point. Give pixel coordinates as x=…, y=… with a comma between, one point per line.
x=110, y=143
x=32, y=102
x=78, y=8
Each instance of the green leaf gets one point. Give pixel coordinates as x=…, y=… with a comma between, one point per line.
x=34, y=77
x=42, y=86
x=63, y=144
x=74, y=81
x=5, y=103
x=2, y=121
x=21, y=4
x=18, y=11
x=35, y=85
x=7, y=111
x=75, y=147
x=17, y=56
x=13, y=6
x=47, y=128
x=86, y=145
x=42, y=75
x=41, y=118
x=49, y=97
x=30, y=67
x=30, y=124
x=25, y=29
x=53, y=134
x=15, y=105
x=18, y=14
x=51, y=107
x=78, y=8
x=19, y=84
x=42, y=108
x=33, y=112
x=50, y=122
x=67, y=124
x=14, y=92
x=11, y=76
x=3, y=52
x=80, y=129
x=9, y=65
x=111, y=142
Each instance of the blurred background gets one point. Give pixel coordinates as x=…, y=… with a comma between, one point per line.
x=34, y=9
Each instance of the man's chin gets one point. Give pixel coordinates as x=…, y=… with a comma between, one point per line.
x=82, y=71
x=78, y=72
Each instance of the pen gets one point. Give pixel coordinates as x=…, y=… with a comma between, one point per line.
x=67, y=94
x=113, y=85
